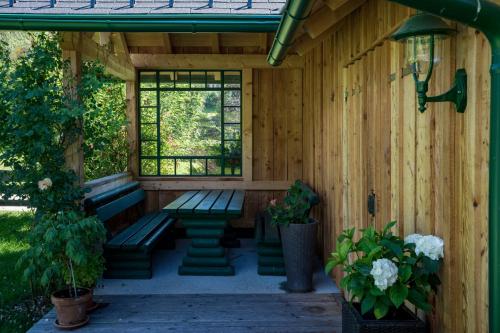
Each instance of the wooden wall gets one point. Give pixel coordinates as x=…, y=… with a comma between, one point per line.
x=277, y=134
x=363, y=133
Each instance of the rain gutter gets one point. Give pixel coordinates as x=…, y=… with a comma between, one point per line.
x=140, y=23
x=294, y=13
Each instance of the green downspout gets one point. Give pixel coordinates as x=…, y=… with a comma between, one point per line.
x=295, y=12
x=140, y=22
x=484, y=16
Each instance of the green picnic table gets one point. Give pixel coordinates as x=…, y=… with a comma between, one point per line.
x=205, y=215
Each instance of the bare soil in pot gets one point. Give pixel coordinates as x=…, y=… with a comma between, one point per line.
x=71, y=311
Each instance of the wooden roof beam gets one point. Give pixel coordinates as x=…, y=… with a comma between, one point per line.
x=325, y=18
x=167, y=42
x=304, y=43
x=215, y=43
x=210, y=61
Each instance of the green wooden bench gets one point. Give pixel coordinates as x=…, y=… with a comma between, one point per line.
x=128, y=254
x=269, y=249
x=205, y=215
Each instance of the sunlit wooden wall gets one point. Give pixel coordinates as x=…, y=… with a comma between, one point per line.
x=363, y=133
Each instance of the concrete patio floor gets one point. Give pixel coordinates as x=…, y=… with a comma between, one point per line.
x=246, y=281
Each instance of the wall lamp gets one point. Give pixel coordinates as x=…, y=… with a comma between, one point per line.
x=423, y=35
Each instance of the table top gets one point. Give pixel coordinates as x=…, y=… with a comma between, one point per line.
x=207, y=203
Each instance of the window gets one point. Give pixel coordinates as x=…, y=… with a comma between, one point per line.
x=190, y=123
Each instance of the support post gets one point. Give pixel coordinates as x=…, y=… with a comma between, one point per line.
x=74, y=149
x=494, y=194
x=133, y=158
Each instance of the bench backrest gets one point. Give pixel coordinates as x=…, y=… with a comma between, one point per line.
x=96, y=201
x=115, y=207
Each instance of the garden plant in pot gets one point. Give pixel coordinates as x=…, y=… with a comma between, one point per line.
x=298, y=234
x=382, y=271
x=65, y=243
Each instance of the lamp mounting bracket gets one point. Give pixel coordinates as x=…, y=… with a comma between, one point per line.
x=457, y=94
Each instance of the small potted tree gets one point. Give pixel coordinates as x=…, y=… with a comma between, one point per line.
x=63, y=244
x=298, y=234
x=382, y=271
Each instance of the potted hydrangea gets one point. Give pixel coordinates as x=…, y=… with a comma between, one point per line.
x=382, y=271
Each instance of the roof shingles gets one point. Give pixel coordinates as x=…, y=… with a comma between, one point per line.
x=258, y=7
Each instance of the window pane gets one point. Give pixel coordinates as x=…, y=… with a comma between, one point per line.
x=213, y=79
x=182, y=79
x=198, y=167
x=183, y=167
x=232, y=79
x=148, y=115
x=232, y=167
x=148, y=148
x=167, y=167
x=148, y=80
x=198, y=79
x=149, y=167
x=190, y=123
x=232, y=150
x=214, y=167
x=232, y=115
x=232, y=98
x=148, y=132
x=232, y=132
x=167, y=79
x=148, y=98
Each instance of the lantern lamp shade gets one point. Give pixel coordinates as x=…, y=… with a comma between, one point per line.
x=423, y=24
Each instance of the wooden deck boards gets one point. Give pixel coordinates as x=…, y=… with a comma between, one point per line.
x=211, y=313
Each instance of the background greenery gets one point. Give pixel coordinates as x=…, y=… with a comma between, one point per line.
x=19, y=309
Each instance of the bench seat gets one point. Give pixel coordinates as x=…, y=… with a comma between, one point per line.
x=128, y=254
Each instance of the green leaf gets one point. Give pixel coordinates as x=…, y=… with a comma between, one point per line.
x=431, y=266
x=376, y=292
x=330, y=265
x=388, y=227
x=381, y=309
x=404, y=272
x=367, y=303
x=419, y=300
x=392, y=246
x=398, y=294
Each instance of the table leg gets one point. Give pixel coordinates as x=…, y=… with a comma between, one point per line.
x=205, y=255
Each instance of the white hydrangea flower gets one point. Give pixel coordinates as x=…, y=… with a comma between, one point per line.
x=430, y=246
x=45, y=184
x=384, y=272
x=413, y=238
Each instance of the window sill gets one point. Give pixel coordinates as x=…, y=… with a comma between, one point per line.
x=190, y=179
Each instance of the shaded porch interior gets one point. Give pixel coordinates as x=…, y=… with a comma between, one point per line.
x=340, y=114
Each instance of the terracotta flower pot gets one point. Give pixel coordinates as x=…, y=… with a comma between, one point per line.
x=71, y=311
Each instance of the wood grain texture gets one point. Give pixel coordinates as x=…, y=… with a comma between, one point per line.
x=211, y=313
x=429, y=171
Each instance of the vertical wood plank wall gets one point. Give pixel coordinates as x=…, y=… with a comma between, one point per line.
x=277, y=133
x=363, y=133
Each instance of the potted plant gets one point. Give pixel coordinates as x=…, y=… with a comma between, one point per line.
x=87, y=275
x=298, y=234
x=382, y=271
x=62, y=245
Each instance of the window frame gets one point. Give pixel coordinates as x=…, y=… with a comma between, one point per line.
x=243, y=128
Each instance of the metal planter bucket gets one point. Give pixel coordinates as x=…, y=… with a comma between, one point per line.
x=299, y=244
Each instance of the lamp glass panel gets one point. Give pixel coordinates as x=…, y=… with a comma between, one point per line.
x=418, y=53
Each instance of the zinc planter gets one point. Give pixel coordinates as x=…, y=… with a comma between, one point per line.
x=403, y=321
x=71, y=311
x=299, y=244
